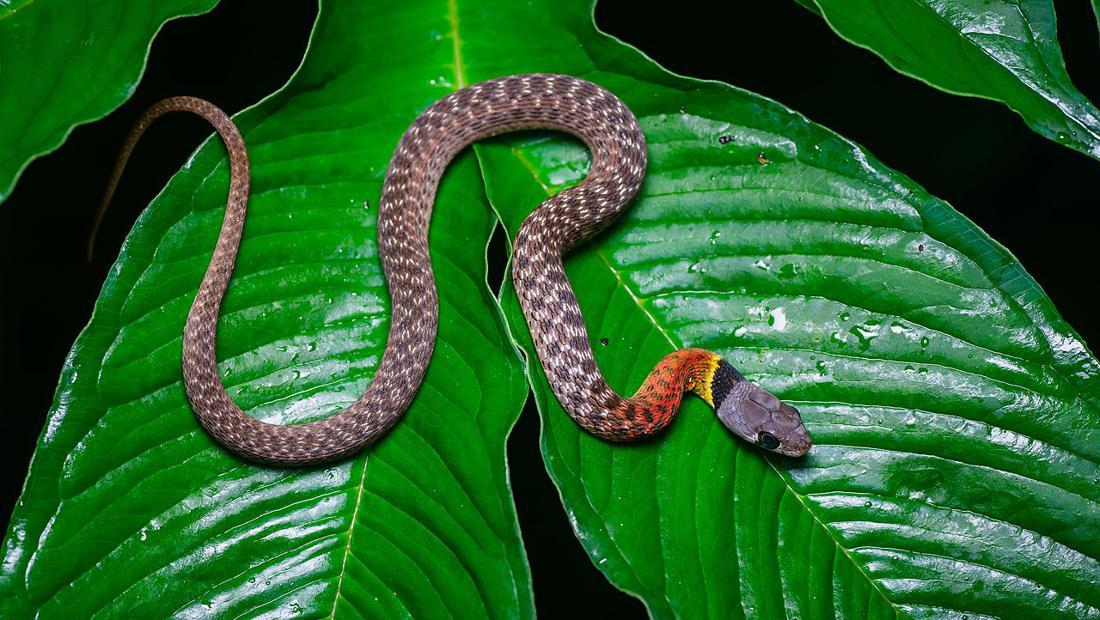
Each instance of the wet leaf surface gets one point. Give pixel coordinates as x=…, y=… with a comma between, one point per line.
x=131, y=509
x=955, y=414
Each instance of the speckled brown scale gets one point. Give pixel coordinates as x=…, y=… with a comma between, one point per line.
x=512, y=103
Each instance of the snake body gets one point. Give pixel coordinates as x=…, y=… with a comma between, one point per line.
x=542, y=101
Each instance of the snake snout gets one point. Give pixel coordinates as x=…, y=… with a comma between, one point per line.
x=796, y=439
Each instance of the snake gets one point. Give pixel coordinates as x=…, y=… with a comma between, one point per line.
x=518, y=102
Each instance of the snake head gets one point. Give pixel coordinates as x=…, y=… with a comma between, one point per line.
x=764, y=420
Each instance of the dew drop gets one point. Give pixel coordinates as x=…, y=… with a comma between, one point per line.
x=777, y=319
x=865, y=334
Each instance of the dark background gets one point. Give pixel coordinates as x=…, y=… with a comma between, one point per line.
x=1032, y=195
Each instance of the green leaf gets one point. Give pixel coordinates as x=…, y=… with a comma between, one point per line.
x=1004, y=50
x=130, y=509
x=67, y=63
x=956, y=416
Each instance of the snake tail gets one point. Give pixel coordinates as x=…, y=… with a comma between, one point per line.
x=208, y=111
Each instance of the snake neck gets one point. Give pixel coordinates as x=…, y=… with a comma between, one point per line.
x=656, y=402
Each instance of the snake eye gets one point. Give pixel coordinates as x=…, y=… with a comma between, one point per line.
x=767, y=441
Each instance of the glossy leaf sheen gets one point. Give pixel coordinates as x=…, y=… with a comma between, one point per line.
x=67, y=63
x=955, y=414
x=131, y=510
x=1005, y=50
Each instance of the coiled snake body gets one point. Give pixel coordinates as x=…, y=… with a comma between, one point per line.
x=512, y=103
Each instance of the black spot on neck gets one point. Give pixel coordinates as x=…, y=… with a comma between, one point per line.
x=725, y=376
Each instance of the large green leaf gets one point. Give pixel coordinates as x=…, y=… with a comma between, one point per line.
x=1005, y=50
x=955, y=414
x=66, y=63
x=131, y=510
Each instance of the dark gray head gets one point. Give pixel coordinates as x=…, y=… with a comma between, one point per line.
x=763, y=419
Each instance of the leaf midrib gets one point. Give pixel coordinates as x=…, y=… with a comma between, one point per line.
x=460, y=82
x=16, y=9
x=347, y=547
